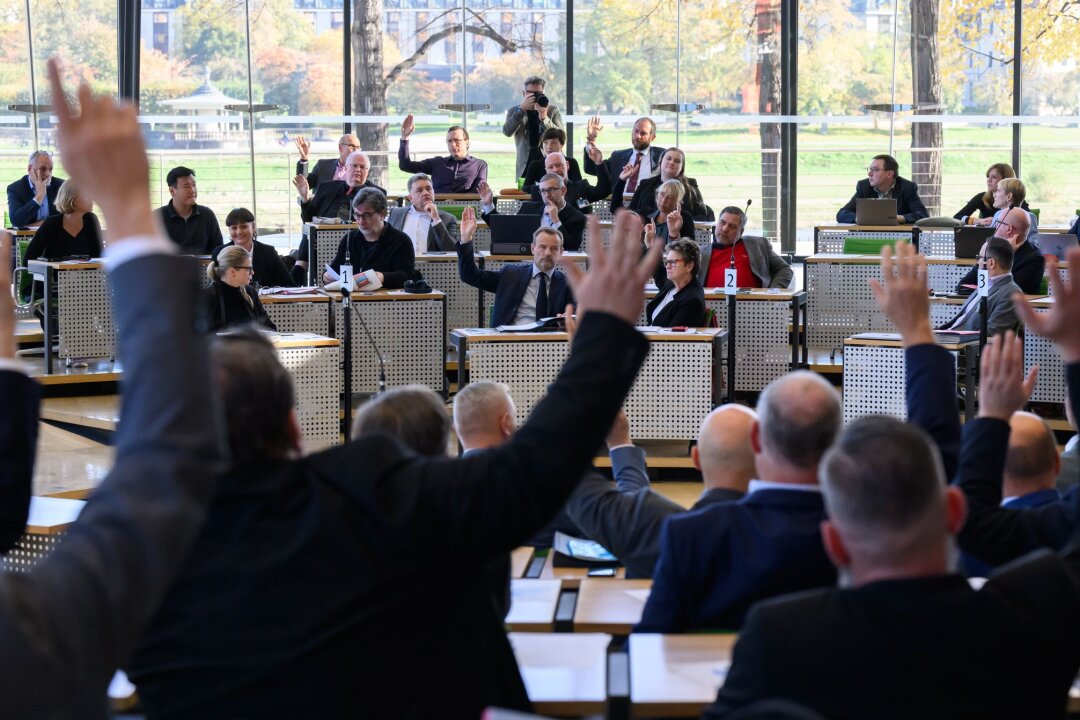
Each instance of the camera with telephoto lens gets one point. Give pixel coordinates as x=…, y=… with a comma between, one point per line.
x=541, y=99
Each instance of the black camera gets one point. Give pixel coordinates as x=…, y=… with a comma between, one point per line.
x=541, y=99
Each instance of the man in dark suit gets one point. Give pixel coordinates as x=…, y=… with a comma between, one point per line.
x=996, y=256
x=1028, y=263
x=642, y=154
x=906, y=636
x=629, y=523
x=554, y=210
x=332, y=197
x=884, y=181
x=553, y=140
x=523, y=293
x=430, y=228
x=119, y=558
x=715, y=562
x=309, y=591
x=326, y=169
x=32, y=198
x=580, y=194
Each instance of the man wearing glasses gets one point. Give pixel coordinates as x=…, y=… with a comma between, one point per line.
x=458, y=172
x=326, y=169
x=883, y=181
x=997, y=257
x=555, y=212
x=380, y=255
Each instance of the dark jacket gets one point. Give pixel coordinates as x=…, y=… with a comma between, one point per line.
x=22, y=210
x=644, y=200
x=226, y=307
x=904, y=191
x=1027, y=271
x=52, y=241
x=509, y=284
x=687, y=308
x=332, y=200
x=392, y=255
x=269, y=270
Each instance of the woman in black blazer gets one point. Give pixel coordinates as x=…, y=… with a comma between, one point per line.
x=672, y=167
x=680, y=300
x=669, y=221
x=230, y=299
x=75, y=231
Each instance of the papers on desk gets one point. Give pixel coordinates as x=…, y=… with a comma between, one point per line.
x=581, y=549
x=640, y=595
x=277, y=290
x=877, y=336
x=328, y=221
x=548, y=324
x=704, y=673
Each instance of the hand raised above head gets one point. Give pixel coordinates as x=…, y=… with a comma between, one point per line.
x=616, y=276
x=467, y=226
x=902, y=293
x=593, y=128
x=303, y=146
x=407, y=126
x=1003, y=388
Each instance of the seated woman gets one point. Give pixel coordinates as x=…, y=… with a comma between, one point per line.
x=672, y=167
x=75, y=231
x=983, y=203
x=230, y=299
x=1028, y=262
x=553, y=140
x=680, y=299
x=269, y=270
x=375, y=246
x=669, y=221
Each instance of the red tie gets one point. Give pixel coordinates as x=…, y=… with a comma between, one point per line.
x=631, y=184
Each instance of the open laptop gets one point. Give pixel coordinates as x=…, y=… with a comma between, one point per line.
x=1056, y=244
x=875, y=211
x=512, y=234
x=967, y=241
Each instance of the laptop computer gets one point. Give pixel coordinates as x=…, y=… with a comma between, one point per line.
x=967, y=241
x=875, y=211
x=1056, y=244
x=512, y=234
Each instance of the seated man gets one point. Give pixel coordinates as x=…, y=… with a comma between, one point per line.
x=642, y=155
x=429, y=228
x=32, y=198
x=555, y=212
x=1028, y=265
x=996, y=256
x=553, y=140
x=333, y=198
x=194, y=228
x=458, y=172
x=884, y=181
x=342, y=542
x=523, y=293
x=907, y=636
x=374, y=246
x=580, y=194
x=629, y=523
x=326, y=169
x=716, y=562
x=756, y=263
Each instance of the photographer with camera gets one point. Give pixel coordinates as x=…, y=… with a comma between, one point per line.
x=527, y=122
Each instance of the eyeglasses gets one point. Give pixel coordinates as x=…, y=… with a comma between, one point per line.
x=246, y=267
x=873, y=169
x=367, y=216
x=672, y=263
x=548, y=191
x=1005, y=224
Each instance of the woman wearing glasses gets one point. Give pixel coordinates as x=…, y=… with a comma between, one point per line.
x=231, y=299
x=680, y=300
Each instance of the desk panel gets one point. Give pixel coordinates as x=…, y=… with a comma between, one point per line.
x=298, y=313
x=314, y=364
x=323, y=242
x=1038, y=350
x=462, y=301
x=832, y=238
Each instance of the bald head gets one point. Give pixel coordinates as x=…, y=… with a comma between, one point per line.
x=483, y=414
x=1032, y=462
x=799, y=418
x=1014, y=226
x=723, y=452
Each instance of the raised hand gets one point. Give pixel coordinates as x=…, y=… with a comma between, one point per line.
x=103, y=151
x=615, y=277
x=302, y=188
x=467, y=226
x=902, y=293
x=407, y=126
x=674, y=222
x=303, y=146
x=487, y=197
x=628, y=170
x=594, y=154
x=1003, y=389
x=1059, y=323
x=650, y=234
x=619, y=434
x=593, y=128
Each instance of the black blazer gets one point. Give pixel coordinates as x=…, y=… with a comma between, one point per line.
x=226, y=307
x=269, y=270
x=1027, y=271
x=22, y=210
x=644, y=200
x=322, y=172
x=687, y=308
x=392, y=255
x=579, y=193
x=52, y=241
x=609, y=170
x=509, y=284
x=535, y=171
x=330, y=199
x=18, y=443
x=908, y=202
x=977, y=205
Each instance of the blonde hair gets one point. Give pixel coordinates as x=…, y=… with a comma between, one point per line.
x=66, y=197
x=231, y=256
x=1013, y=186
x=673, y=186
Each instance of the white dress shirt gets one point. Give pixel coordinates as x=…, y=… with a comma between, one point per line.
x=526, y=309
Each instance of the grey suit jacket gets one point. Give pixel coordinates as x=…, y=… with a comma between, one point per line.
x=514, y=126
x=1069, y=474
x=767, y=266
x=443, y=236
x=1001, y=313
x=73, y=619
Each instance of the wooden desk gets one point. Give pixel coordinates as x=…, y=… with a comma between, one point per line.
x=662, y=405
x=572, y=577
x=564, y=674
x=519, y=561
x=610, y=605
x=49, y=519
x=532, y=605
x=299, y=313
x=676, y=675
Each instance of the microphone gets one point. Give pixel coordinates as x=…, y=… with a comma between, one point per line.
x=347, y=294
x=745, y=210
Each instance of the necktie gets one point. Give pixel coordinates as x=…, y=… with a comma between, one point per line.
x=631, y=183
x=542, y=298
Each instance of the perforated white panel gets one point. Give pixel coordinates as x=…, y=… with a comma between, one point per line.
x=325, y=245
x=937, y=243
x=28, y=551
x=874, y=382
x=305, y=317
x=940, y=313
x=411, y=333
x=1050, y=384
x=602, y=210
x=508, y=207
x=85, y=326
x=316, y=377
x=945, y=278
x=1063, y=273
x=832, y=241
x=482, y=238
x=462, y=301
x=670, y=398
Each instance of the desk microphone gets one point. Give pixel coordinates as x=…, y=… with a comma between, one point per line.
x=346, y=293
x=745, y=210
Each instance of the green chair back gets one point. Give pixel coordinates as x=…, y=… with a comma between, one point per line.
x=455, y=210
